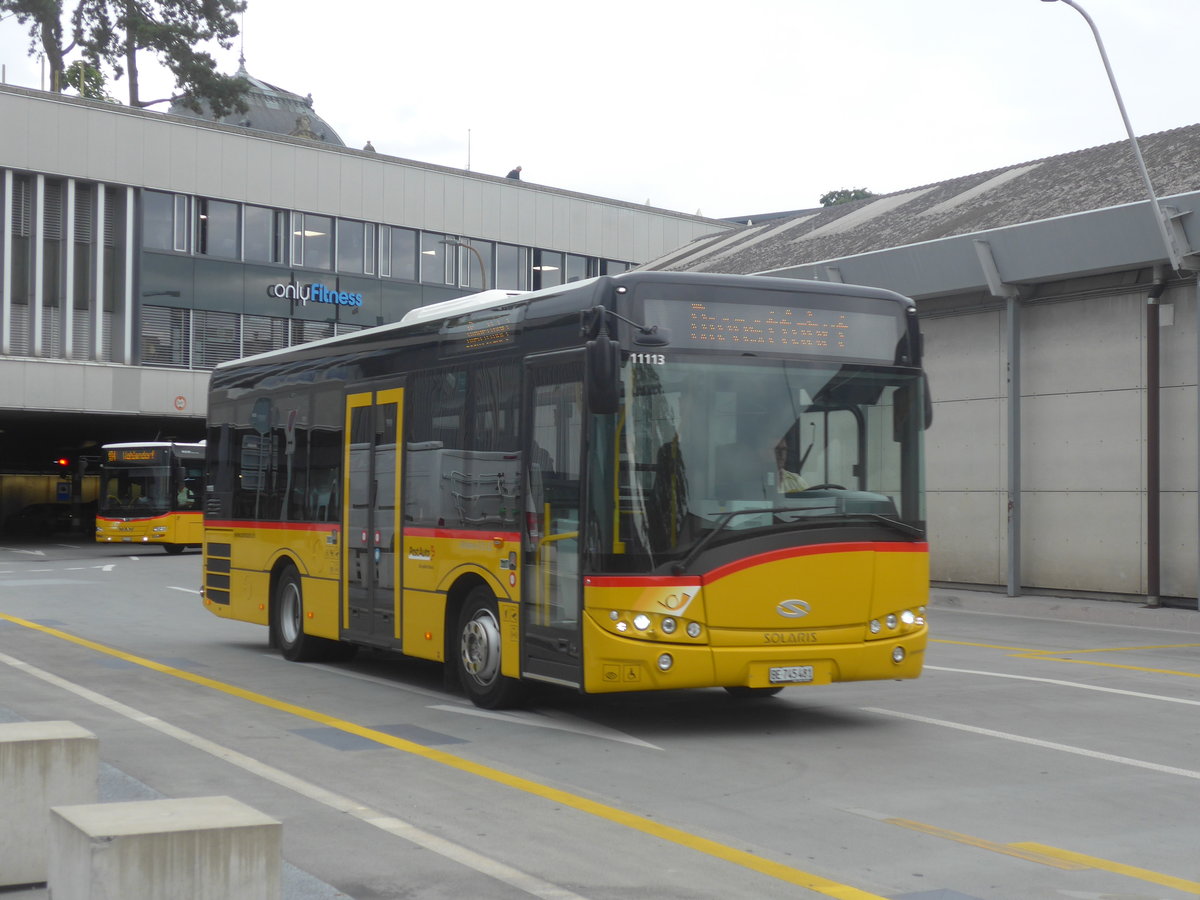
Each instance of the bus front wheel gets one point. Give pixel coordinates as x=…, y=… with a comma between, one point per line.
x=173, y=549
x=477, y=655
x=287, y=615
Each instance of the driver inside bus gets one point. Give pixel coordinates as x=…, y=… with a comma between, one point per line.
x=786, y=482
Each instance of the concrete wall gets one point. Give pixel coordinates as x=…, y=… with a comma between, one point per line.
x=1083, y=444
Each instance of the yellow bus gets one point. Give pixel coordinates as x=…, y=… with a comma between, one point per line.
x=647, y=481
x=150, y=493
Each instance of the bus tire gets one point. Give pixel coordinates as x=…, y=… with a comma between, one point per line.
x=173, y=549
x=743, y=693
x=477, y=654
x=287, y=621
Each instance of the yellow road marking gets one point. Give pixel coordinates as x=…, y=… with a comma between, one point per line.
x=1106, y=665
x=636, y=822
x=1007, y=849
x=1053, y=856
x=1061, y=655
x=1180, y=884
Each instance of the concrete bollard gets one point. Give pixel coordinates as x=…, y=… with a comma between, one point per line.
x=199, y=848
x=42, y=764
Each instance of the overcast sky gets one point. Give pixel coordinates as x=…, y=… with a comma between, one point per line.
x=720, y=108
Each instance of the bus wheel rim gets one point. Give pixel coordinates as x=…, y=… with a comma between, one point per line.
x=289, y=614
x=481, y=647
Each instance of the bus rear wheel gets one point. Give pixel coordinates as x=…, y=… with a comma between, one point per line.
x=477, y=655
x=287, y=621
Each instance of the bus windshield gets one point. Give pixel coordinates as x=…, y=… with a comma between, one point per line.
x=762, y=444
x=135, y=491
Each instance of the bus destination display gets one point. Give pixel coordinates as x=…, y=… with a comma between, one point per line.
x=845, y=334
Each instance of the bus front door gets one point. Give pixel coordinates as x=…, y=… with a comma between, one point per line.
x=551, y=646
x=371, y=527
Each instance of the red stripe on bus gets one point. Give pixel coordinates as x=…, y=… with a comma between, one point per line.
x=751, y=561
x=273, y=526
x=462, y=535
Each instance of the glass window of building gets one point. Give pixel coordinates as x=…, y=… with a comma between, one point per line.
x=158, y=220
x=612, y=267
x=547, y=269
x=216, y=228
x=576, y=268
x=351, y=246
x=477, y=264
x=265, y=234
x=312, y=241
x=512, y=267
x=437, y=262
x=398, y=253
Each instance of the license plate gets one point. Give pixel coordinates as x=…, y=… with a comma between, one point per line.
x=790, y=674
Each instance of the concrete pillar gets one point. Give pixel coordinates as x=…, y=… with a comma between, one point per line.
x=199, y=848
x=42, y=764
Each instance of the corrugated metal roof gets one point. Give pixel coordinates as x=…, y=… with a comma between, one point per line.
x=1084, y=180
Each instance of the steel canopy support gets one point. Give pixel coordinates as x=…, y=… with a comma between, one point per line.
x=1011, y=295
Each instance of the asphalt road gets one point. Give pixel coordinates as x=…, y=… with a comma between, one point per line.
x=1050, y=750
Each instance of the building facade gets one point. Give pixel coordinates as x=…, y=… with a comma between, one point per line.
x=138, y=250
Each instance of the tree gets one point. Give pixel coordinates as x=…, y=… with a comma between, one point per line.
x=86, y=80
x=44, y=19
x=845, y=195
x=113, y=31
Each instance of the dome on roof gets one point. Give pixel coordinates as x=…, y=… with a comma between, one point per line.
x=271, y=108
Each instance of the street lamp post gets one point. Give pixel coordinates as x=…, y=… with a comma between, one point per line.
x=479, y=256
x=1173, y=254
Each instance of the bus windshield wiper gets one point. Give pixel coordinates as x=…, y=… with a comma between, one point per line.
x=895, y=524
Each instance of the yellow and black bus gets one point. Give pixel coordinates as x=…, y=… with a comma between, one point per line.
x=150, y=494
x=645, y=481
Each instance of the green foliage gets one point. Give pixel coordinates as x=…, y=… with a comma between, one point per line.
x=86, y=80
x=845, y=195
x=44, y=21
x=112, y=32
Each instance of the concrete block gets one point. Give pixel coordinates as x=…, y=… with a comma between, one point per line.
x=199, y=848
x=42, y=764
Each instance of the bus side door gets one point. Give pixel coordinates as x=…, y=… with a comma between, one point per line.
x=551, y=616
x=372, y=464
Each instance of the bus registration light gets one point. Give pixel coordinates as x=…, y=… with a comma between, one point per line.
x=665, y=661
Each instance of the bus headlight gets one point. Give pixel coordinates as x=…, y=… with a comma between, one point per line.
x=693, y=629
x=641, y=621
x=892, y=621
x=669, y=625
x=875, y=626
x=908, y=617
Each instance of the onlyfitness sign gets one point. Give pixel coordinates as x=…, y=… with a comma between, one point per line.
x=315, y=292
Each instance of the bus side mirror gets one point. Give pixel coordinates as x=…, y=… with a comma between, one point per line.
x=902, y=408
x=603, y=371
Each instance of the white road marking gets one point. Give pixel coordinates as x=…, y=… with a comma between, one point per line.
x=172, y=587
x=398, y=827
x=1071, y=684
x=1035, y=742
x=537, y=720
x=532, y=719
